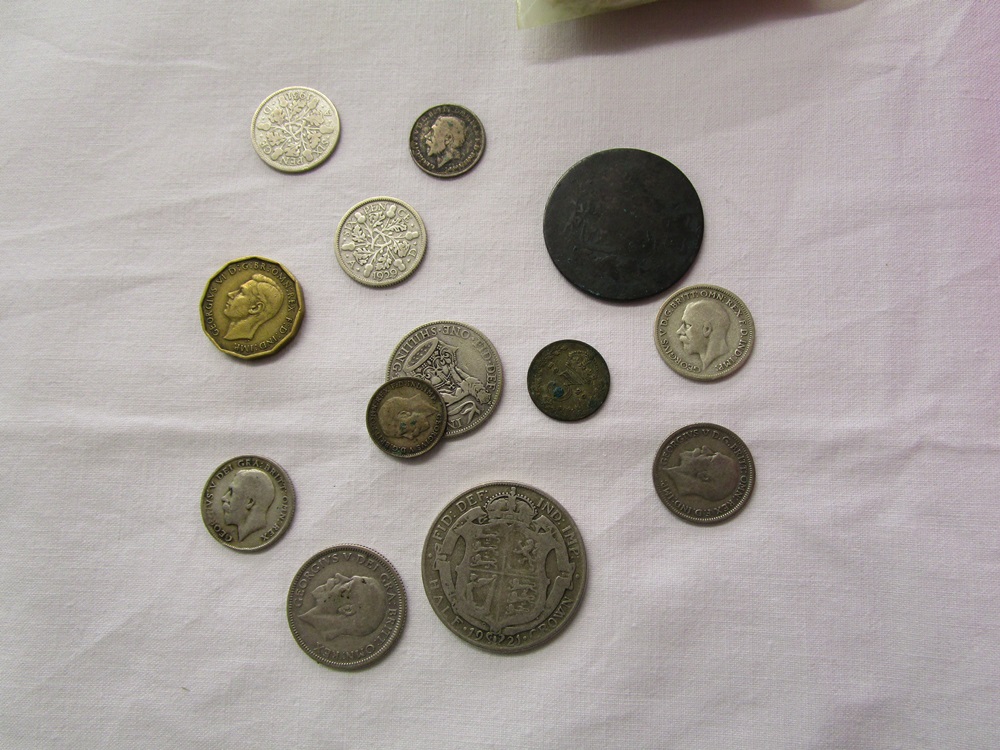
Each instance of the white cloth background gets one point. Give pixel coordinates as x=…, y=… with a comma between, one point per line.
x=847, y=163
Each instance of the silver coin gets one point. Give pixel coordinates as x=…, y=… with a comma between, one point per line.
x=704, y=332
x=504, y=567
x=295, y=129
x=380, y=241
x=248, y=503
x=704, y=473
x=406, y=417
x=460, y=362
x=346, y=606
x=447, y=140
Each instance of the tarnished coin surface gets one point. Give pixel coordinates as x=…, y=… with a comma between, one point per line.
x=704, y=473
x=568, y=380
x=704, y=332
x=295, y=129
x=346, y=606
x=248, y=502
x=447, y=140
x=251, y=307
x=504, y=567
x=623, y=224
x=460, y=362
x=406, y=417
x=380, y=241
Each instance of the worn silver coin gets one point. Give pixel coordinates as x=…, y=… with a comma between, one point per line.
x=295, y=129
x=346, y=606
x=248, y=503
x=447, y=140
x=380, y=241
x=406, y=417
x=704, y=332
x=704, y=473
x=460, y=362
x=504, y=567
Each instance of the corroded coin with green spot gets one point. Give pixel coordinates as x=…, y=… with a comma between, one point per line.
x=568, y=380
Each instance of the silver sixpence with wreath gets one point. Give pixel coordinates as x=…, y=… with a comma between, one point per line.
x=380, y=241
x=295, y=129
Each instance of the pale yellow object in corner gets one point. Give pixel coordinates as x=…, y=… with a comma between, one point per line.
x=540, y=12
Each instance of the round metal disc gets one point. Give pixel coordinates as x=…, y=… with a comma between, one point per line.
x=704, y=473
x=704, y=332
x=248, y=503
x=295, y=129
x=447, y=140
x=406, y=417
x=623, y=224
x=504, y=567
x=346, y=606
x=568, y=380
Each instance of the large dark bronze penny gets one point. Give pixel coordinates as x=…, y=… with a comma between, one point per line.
x=568, y=380
x=623, y=224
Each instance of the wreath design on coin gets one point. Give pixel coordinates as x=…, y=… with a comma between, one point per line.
x=378, y=239
x=295, y=127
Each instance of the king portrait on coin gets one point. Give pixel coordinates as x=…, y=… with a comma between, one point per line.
x=504, y=567
x=248, y=503
x=704, y=473
x=346, y=606
x=406, y=417
x=704, y=332
x=447, y=140
x=251, y=307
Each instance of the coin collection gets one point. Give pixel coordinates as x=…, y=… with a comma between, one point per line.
x=503, y=564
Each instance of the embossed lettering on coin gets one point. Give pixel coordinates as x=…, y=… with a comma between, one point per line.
x=704, y=332
x=406, y=417
x=704, y=473
x=380, y=241
x=251, y=307
x=346, y=606
x=295, y=129
x=504, y=567
x=248, y=502
x=447, y=140
x=460, y=362
x=568, y=380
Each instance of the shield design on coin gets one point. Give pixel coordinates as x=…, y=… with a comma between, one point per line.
x=503, y=566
